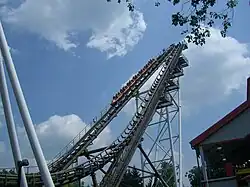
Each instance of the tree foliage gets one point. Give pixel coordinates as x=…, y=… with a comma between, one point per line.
x=74, y=184
x=150, y=182
x=194, y=176
x=167, y=173
x=197, y=16
x=132, y=177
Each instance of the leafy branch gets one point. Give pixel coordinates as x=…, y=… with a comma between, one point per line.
x=198, y=18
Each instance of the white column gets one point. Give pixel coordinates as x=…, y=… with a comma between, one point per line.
x=204, y=166
x=10, y=123
x=23, y=108
x=180, y=135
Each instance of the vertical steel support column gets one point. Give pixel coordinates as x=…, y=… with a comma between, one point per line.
x=93, y=175
x=10, y=123
x=204, y=166
x=180, y=136
x=28, y=124
x=157, y=139
x=142, y=160
x=142, y=168
x=172, y=147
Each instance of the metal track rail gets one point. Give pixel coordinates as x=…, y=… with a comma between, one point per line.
x=70, y=153
x=99, y=161
x=115, y=174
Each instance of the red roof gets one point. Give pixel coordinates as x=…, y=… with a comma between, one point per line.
x=224, y=121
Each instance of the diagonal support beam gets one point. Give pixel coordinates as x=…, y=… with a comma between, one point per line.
x=86, y=152
x=152, y=166
x=141, y=170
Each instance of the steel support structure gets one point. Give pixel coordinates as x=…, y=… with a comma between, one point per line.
x=23, y=108
x=156, y=98
x=163, y=136
x=155, y=121
x=11, y=124
x=152, y=166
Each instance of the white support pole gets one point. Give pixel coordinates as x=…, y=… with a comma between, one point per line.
x=157, y=139
x=180, y=136
x=10, y=123
x=28, y=124
x=204, y=166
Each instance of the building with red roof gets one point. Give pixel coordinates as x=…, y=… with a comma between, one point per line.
x=224, y=149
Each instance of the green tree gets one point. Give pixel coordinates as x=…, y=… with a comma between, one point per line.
x=167, y=173
x=197, y=16
x=131, y=178
x=73, y=184
x=150, y=183
x=194, y=175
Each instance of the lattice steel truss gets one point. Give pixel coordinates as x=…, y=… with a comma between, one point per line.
x=153, y=100
x=162, y=139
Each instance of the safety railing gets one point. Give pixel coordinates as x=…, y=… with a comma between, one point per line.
x=79, y=136
x=99, y=160
x=73, y=142
x=150, y=103
x=27, y=170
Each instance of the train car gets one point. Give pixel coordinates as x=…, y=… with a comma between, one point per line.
x=172, y=45
x=130, y=83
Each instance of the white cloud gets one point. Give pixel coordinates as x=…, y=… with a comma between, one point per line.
x=56, y=132
x=13, y=50
x=2, y=147
x=215, y=70
x=113, y=28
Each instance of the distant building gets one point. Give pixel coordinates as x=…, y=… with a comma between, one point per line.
x=224, y=149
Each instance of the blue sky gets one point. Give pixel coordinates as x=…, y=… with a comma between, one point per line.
x=61, y=79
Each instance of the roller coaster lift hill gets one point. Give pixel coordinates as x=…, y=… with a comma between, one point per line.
x=64, y=169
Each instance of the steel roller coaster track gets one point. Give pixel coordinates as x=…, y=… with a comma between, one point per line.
x=120, y=152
